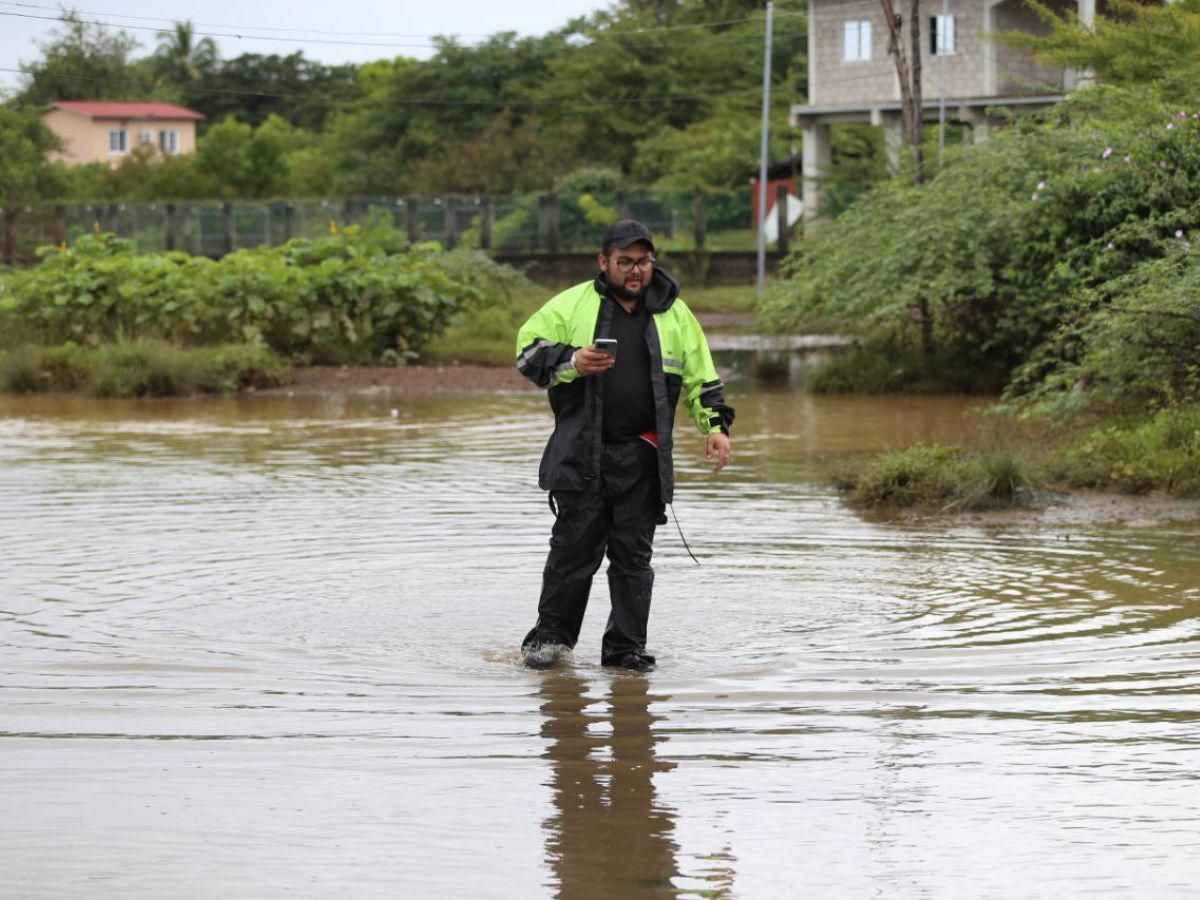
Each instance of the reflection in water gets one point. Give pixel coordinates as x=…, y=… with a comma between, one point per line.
x=609, y=836
x=291, y=625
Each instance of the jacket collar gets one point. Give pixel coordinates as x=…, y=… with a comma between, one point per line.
x=660, y=292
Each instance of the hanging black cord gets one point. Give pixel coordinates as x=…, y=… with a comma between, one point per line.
x=681, y=537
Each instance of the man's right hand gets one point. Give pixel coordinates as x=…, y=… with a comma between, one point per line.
x=590, y=361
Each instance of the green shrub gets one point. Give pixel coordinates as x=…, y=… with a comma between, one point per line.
x=142, y=369
x=1135, y=456
x=892, y=365
x=341, y=299
x=928, y=476
x=1016, y=256
x=21, y=370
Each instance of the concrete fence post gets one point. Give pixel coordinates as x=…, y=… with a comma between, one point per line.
x=228, y=236
x=60, y=223
x=289, y=221
x=485, y=223
x=699, y=220
x=414, y=224
x=548, y=222
x=450, y=222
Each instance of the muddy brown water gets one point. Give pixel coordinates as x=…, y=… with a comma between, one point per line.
x=264, y=647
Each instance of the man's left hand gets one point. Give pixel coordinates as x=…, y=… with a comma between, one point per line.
x=718, y=443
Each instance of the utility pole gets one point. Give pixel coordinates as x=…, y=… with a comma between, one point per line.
x=762, y=162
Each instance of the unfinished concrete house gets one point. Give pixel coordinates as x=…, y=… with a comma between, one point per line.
x=852, y=77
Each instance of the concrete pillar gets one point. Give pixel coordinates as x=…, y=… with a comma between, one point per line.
x=1087, y=18
x=228, y=235
x=991, y=81
x=816, y=156
x=894, y=140
x=1087, y=13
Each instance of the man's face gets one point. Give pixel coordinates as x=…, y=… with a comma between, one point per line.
x=628, y=269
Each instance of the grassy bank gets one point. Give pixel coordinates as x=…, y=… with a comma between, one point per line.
x=1131, y=455
x=141, y=369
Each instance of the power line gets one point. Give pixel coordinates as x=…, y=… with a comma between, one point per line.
x=238, y=31
x=234, y=27
x=257, y=37
x=596, y=39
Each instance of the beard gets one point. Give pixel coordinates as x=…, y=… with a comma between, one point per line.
x=626, y=294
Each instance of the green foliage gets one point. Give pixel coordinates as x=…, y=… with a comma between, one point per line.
x=892, y=364
x=1159, y=452
x=233, y=160
x=1130, y=341
x=21, y=370
x=1131, y=43
x=246, y=161
x=342, y=299
x=141, y=369
x=718, y=152
x=84, y=61
x=667, y=91
x=24, y=173
x=936, y=477
x=180, y=58
x=993, y=253
x=253, y=87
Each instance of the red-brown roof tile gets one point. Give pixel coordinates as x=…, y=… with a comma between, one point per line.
x=102, y=110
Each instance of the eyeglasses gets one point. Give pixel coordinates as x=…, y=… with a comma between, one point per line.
x=624, y=264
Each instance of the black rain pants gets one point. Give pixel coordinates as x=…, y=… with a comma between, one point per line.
x=618, y=519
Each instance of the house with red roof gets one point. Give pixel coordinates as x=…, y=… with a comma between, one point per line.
x=94, y=131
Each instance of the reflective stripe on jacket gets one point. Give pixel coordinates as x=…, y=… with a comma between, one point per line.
x=680, y=363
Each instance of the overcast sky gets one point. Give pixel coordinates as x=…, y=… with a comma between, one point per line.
x=408, y=25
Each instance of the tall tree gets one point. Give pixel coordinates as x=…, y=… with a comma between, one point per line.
x=909, y=73
x=82, y=61
x=254, y=86
x=1130, y=43
x=180, y=58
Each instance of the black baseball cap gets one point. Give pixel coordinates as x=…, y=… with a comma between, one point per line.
x=624, y=233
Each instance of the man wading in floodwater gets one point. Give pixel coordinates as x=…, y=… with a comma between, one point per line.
x=608, y=465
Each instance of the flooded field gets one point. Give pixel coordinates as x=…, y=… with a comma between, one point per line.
x=266, y=647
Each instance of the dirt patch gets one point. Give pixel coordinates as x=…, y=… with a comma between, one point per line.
x=323, y=380
x=1070, y=509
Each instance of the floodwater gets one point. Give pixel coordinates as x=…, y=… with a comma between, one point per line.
x=266, y=647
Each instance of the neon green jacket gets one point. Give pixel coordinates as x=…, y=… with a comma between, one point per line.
x=680, y=363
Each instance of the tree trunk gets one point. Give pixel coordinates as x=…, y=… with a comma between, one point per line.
x=918, y=135
x=909, y=75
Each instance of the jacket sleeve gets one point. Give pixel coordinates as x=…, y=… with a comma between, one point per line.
x=703, y=391
x=543, y=349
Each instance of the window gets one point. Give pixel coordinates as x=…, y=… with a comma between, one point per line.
x=856, y=41
x=146, y=137
x=168, y=141
x=118, y=141
x=941, y=35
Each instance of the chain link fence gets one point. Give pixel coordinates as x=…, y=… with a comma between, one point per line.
x=526, y=225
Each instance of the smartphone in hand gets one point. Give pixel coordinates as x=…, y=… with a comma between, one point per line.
x=607, y=346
